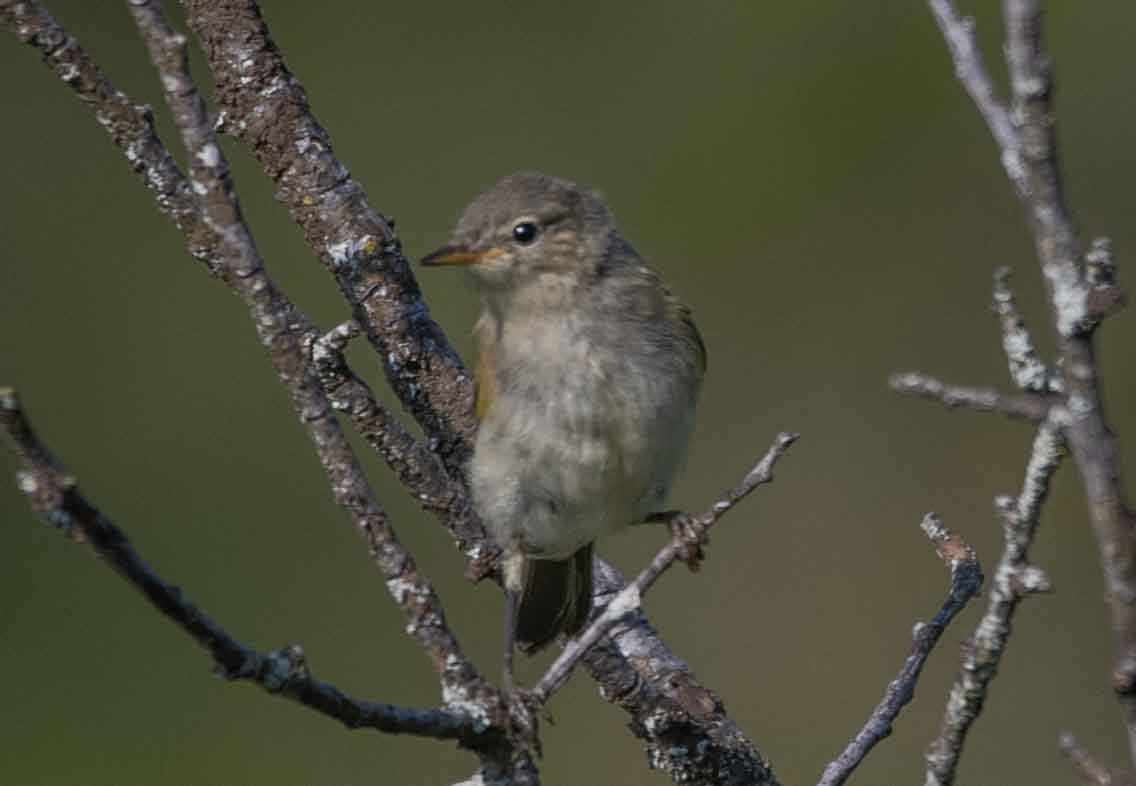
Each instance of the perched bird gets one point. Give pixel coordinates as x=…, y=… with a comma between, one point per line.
x=588, y=374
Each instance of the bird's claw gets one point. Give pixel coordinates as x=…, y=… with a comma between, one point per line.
x=689, y=533
x=482, y=567
x=525, y=712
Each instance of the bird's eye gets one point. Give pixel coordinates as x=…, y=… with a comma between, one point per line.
x=525, y=232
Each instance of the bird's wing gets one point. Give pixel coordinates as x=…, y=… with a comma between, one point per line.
x=483, y=377
x=687, y=327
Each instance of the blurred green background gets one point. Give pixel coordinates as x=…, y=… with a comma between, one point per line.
x=812, y=181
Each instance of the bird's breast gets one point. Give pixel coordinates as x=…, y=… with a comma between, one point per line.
x=583, y=433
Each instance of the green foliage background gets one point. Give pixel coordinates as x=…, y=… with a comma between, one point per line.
x=809, y=177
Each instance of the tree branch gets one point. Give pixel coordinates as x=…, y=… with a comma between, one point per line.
x=54, y=495
x=958, y=32
x=1027, y=370
x=264, y=106
x=276, y=322
x=1082, y=292
x=1092, y=772
x=1032, y=407
x=966, y=582
x=630, y=597
x=1072, y=299
x=417, y=468
x=130, y=125
x=1014, y=578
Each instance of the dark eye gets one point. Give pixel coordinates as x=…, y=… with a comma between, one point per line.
x=525, y=232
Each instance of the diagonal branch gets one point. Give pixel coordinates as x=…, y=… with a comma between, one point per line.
x=54, y=495
x=264, y=106
x=1032, y=407
x=1027, y=370
x=1014, y=579
x=417, y=468
x=958, y=32
x=630, y=597
x=966, y=582
x=276, y=323
x=130, y=125
x=1092, y=772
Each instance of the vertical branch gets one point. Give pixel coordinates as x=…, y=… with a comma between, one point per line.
x=1079, y=302
x=1014, y=579
x=1082, y=291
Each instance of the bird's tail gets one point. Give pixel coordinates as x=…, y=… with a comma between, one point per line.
x=557, y=598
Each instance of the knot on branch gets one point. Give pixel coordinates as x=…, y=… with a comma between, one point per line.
x=283, y=667
x=1105, y=295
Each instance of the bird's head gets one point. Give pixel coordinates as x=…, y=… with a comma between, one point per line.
x=529, y=228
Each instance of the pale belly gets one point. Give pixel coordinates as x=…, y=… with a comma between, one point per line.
x=554, y=470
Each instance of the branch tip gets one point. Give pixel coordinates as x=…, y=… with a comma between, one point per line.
x=965, y=583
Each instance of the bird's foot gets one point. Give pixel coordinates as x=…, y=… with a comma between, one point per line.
x=688, y=531
x=483, y=566
x=525, y=712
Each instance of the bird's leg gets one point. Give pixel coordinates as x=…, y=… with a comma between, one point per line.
x=512, y=602
x=688, y=530
x=513, y=577
x=521, y=707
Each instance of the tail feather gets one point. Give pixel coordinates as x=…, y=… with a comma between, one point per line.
x=557, y=598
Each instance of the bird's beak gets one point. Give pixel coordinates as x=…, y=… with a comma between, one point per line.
x=457, y=256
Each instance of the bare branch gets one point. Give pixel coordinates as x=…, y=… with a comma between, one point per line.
x=277, y=323
x=630, y=597
x=130, y=125
x=54, y=495
x=1105, y=295
x=966, y=582
x=1081, y=292
x=1014, y=578
x=416, y=467
x=1027, y=370
x=265, y=106
x=1092, y=772
x=958, y=32
x=1033, y=407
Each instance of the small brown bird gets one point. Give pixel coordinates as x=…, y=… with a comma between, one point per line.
x=588, y=375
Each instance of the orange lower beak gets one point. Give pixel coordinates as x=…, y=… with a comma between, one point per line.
x=454, y=256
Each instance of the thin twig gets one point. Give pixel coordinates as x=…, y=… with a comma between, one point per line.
x=416, y=467
x=630, y=597
x=966, y=582
x=1092, y=772
x=1032, y=407
x=1029, y=373
x=958, y=32
x=54, y=495
x=130, y=125
x=1014, y=578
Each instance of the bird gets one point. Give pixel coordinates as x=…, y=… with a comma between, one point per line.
x=587, y=378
